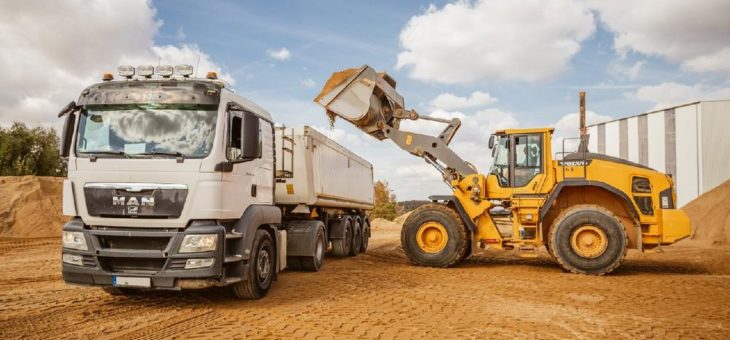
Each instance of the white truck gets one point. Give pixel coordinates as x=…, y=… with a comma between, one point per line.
x=178, y=183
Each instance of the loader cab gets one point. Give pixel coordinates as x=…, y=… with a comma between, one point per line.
x=521, y=162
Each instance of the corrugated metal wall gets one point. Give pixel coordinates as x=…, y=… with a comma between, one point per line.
x=690, y=142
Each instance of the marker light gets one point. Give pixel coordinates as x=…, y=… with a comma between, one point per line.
x=126, y=71
x=145, y=70
x=212, y=75
x=107, y=76
x=184, y=70
x=164, y=70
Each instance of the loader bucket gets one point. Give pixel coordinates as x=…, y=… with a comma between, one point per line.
x=363, y=97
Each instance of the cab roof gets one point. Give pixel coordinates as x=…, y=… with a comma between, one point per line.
x=522, y=131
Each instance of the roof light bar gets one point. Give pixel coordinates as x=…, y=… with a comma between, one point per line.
x=126, y=71
x=164, y=70
x=184, y=70
x=145, y=71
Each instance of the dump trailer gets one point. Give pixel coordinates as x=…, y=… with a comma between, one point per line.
x=178, y=183
x=587, y=209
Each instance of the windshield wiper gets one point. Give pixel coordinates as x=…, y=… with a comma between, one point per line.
x=177, y=154
x=94, y=154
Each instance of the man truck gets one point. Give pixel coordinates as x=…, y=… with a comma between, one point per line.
x=588, y=209
x=178, y=183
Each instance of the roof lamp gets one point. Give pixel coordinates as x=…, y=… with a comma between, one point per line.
x=212, y=75
x=145, y=71
x=126, y=71
x=184, y=70
x=164, y=70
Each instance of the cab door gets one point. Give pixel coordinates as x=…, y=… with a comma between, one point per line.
x=527, y=166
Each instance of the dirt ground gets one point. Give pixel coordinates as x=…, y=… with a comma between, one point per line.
x=681, y=293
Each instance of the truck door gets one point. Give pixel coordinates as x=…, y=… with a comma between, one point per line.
x=244, y=152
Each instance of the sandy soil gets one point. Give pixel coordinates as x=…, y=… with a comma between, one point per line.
x=681, y=293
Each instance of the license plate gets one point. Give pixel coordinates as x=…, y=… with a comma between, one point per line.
x=125, y=281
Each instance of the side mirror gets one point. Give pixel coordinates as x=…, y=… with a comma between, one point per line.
x=491, y=141
x=68, y=128
x=250, y=138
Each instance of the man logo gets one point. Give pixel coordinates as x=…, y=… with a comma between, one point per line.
x=133, y=203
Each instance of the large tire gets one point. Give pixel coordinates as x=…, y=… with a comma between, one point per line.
x=588, y=239
x=314, y=263
x=365, y=236
x=119, y=291
x=261, y=268
x=442, y=234
x=356, y=237
x=341, y=247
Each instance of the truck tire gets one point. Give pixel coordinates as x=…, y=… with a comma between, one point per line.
x=119, y=291
x=261, y=268
x=365, y=236
x=356, y=237
x=341, y=247
x=588, y=239
x=314, y=263
x=435, y=236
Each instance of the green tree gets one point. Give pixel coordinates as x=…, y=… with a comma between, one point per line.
x=385, y=202
x=30, y=151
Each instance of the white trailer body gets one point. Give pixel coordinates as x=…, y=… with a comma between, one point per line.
x=314, y=171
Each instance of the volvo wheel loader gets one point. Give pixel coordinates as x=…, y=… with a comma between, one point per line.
x=588, y=209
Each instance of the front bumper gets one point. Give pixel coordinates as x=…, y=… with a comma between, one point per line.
x=675, y=225
x=146, y=253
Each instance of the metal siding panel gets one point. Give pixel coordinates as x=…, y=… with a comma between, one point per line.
x=612, y=139
x=643, y=140
x=670, y=150
x=686, y=181
x=656, y=133
x=623, y=140
x=715, y=143
x=602, y=138
x=593, y=139
x=633, y=140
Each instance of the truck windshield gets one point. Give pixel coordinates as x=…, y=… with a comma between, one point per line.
x=149, y=130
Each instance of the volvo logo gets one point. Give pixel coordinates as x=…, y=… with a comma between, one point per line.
x=133, y=203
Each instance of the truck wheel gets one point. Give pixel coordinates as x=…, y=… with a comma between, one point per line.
x=365, y=236
x=356, y=238
x=261, y=268
x=588, y=239
x=341, y=247
x=118, y=291
x=435, y=236
x=314, y=263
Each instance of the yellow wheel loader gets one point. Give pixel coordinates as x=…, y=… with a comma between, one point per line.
x=588, y=209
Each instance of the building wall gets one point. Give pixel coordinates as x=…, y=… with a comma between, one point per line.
x=612, y=139
x=714, y=122
x=633, y=139
x=687, y=178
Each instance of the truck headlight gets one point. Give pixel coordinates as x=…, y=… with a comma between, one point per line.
x=199, y=243
x=73, y=259
x=199, y=263
x=74, y=240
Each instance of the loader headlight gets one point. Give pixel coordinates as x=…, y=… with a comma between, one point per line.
x=74, y=240
x=199, y=243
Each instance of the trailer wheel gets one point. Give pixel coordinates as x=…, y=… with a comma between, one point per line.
x=314, y=263
x=588, y=239
x=365, y=236
x=341, y=247
x=356, y=237
x=435, y=236
x=261, y=268
x=118, y=291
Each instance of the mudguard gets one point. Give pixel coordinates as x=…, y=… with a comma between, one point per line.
x=254, y=217
x=302, y=237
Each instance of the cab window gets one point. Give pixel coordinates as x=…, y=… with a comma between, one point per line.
x=500, y=164
x=528, y=159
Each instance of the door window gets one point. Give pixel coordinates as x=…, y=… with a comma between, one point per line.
x=528, y=158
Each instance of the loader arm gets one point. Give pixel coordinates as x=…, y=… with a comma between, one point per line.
x=368, y=100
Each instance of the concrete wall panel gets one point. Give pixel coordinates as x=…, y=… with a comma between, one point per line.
x=612, y=139
x=686, y=181
x=656, y=134
x=714, y=144
x=633, y=139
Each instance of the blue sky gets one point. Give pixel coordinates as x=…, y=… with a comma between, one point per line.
x=528, y=59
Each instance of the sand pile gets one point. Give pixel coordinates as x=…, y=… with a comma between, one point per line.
x=383, y=224
x=31, y=206
x=402, y=218
x=710, y=215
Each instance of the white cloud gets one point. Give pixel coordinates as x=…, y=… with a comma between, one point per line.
x=281, y=54
x=671, y=94
x=624, y=71
x=46, y=65
x=694, y=34
x=308, y=83
x=449, y=101
x=341, y=136
x=569, y=127
x=494, y=40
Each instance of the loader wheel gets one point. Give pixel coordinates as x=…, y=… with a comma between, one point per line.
x=261, y=268
x=314, y=263
x=118, y=291
x=588, y=239
x=356, y=238
x=434, y=235
x=341, y=247
x=365, y=236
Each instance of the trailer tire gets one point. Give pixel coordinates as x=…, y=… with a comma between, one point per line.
x=341, y=247
x=314, y=263
x=356, y=237
x=434, y=235
x=261, y=268
x=119, y=291
x=365, y=236
x=588, y=239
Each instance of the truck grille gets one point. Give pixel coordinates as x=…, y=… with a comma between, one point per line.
x=121, y=265
x=139, y=243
